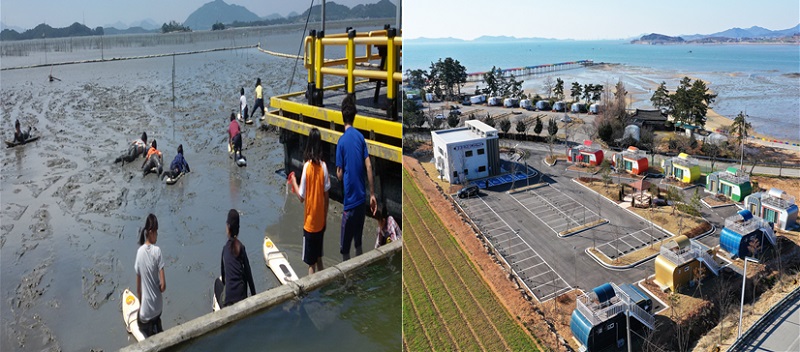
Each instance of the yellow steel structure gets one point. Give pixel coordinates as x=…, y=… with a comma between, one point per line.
x=293, y=115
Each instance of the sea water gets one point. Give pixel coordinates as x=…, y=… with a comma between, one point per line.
x=759, y=79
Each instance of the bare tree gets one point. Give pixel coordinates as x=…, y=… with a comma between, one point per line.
x=548, y=85
x=723, y=298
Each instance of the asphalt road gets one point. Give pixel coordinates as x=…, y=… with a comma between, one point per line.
x=781, y=334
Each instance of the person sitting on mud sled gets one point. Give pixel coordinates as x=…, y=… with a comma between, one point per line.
x=154, y=160
x=19, y=136
x=235, y=137
x=136, y=148
x=178, y=165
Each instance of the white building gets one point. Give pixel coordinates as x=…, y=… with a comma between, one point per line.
x=466, y=153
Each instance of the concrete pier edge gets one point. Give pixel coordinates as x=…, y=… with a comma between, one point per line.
x=262, y=301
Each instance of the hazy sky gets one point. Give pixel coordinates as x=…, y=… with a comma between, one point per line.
x=61, y=13
x=584, y=19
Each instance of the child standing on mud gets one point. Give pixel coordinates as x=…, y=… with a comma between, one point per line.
x=150, y=280
x=243, y=107
x=259, y=99
x=313, y=192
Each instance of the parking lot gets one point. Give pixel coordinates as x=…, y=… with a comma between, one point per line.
x=557, y=210
x=540, y=278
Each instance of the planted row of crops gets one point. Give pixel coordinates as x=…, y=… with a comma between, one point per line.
x=446, y=303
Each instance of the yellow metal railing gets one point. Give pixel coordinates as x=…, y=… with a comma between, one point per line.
x=317, y=67
x=383, y=136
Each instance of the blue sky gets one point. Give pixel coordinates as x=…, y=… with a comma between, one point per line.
x=589, y=20
x=29, y=13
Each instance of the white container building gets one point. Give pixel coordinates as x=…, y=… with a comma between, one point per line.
x=466, y=153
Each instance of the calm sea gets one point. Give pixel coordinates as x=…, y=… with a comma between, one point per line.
x=760, y=79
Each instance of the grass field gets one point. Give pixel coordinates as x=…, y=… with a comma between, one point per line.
x=446, y=304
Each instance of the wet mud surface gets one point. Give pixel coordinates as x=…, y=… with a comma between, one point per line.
x=70, y=216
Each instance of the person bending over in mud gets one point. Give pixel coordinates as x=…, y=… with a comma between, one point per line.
x=178, y=165
x=136, y=148
x=234, y=265
x=19, y=136
x=150, y=279
x=153, y=160
x=235, y=137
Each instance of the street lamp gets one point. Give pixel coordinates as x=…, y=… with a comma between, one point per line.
x=741, y=305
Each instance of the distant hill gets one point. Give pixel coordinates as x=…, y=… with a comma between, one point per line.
x=333, y=12
x=656, y=38
x=753, y=34
x=129, y=30
x=273, y=16
x=3, y=26
x=218, y=11
x=147, y=24
x=45, y=31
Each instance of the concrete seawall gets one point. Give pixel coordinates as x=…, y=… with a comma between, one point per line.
x=262, y=301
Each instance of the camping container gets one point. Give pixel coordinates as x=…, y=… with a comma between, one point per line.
x=511, y=102
x=542, y=105
x=477, y=99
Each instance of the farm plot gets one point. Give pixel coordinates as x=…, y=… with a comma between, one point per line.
x=446, y=303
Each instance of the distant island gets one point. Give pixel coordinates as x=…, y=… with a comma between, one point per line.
x=754, y=35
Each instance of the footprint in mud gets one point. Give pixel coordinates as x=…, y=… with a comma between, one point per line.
x=97, y=283
x=40, y=229
x=30, y=331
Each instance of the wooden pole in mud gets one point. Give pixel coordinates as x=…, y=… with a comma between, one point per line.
x=173, y=95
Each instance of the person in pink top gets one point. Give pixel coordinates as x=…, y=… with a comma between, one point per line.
x=235, y=136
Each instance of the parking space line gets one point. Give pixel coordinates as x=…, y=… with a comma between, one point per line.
x=527, y=244
x=533, y=266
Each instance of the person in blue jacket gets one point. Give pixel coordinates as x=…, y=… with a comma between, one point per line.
x=178, y=165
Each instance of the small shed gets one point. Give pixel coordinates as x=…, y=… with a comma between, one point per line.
x=560, y=106
x=682, y=168
x=578, y=107
x=775, y=206
x=495, y=101
x=525, y=104
x=745, y=235
x=595, y=108
x=598, y=321
x=733, y=183
x=586, y=154
x=632, y=160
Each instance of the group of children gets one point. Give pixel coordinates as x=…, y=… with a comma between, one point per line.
x=259, y=104
x=153, y=158
x=312, y=190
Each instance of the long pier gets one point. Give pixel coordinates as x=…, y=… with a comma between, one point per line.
x=533, y=70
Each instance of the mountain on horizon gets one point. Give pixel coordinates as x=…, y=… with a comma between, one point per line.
x=218, y=11
x=147, y=24
x=273, y=16
x=752, y=32
x=4, y=26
